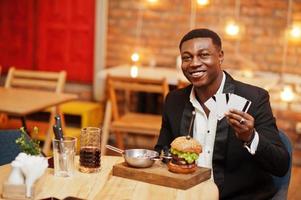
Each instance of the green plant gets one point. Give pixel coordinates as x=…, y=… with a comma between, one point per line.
x=28, y=145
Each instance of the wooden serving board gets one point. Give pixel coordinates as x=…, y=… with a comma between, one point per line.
x=158, y=174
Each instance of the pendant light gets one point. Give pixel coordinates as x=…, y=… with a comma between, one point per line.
x=135, y=56
x=233, y=28
x=287, y=93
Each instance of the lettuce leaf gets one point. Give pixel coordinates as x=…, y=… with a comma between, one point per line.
x=188, y=156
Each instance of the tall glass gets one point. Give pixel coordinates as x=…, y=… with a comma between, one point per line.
x=89, y=159
x=63, y=156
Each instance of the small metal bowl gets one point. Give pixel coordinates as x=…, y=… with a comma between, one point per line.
x=137, y=157
x=140, y=158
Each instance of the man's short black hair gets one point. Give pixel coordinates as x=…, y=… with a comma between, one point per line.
x=202, y=33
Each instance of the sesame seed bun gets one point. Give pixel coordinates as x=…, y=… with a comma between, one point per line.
x=186, y=145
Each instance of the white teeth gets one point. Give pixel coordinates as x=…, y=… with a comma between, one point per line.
x=197, y=74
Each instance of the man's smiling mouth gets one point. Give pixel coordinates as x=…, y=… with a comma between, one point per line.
x=198, y=73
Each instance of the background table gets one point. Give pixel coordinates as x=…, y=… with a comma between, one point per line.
x=22, y=102
x=172, y=76
x=103, y=185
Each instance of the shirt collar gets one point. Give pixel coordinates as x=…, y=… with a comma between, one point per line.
x=192, y=96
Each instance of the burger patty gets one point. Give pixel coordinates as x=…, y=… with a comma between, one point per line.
x=180, y=161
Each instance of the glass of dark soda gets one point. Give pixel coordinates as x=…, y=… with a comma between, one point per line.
x=90, y=154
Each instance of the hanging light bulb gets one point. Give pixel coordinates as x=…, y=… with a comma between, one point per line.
x=295, y=32
x=203, y=2
x=232, y=29
x=287, y=94
x=135, y=57
x=152, y=1
x=134, y=71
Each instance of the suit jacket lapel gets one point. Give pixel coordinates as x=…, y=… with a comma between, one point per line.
x=187, y=112
x=221, y=139
x=186, y=117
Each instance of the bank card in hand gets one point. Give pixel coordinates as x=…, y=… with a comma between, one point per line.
x=238, y=103
x=212, y=105
x=219, y=104
x=222, y=101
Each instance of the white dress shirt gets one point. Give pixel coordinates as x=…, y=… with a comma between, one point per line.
x=205, y=129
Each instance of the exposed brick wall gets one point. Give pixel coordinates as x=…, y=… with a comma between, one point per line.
x=165, y=22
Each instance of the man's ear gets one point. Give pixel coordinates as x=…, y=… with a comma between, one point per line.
x=221, y=56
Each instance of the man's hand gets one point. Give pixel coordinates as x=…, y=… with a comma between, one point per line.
x=242, y=123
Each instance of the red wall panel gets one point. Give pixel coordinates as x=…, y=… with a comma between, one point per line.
x=48, y=35
x=16, y=33
x=66, y=37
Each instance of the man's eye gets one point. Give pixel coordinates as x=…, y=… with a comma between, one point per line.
x=205, y=55
x=186, y=58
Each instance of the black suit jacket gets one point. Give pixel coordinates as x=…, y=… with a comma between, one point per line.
x=237, y=173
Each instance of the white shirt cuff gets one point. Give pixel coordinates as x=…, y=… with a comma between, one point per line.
x=253, y=147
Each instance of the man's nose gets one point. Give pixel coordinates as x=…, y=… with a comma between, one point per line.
x=196, y=61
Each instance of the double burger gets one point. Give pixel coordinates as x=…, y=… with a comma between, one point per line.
x=184, y=154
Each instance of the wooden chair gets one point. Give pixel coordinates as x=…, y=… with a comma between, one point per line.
x=52, y=81
x=106, y=127
x=3, y=117
x=123, y=119
x=38, y=80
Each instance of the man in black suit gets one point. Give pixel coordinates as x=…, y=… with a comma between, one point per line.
x=242, y=149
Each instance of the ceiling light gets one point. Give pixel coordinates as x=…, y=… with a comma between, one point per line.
x=287, y=94
x=203, y=2
x=152, y=1
x=295, y=31
x=135, y=57
x=232, y=29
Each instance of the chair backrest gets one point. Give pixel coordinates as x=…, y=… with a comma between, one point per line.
x=8, y=147
x=133, y=85
x=38, y=80
x=282, y=183
x=43, y=80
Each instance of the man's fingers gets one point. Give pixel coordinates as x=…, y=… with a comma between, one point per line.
x=236, y=123
x=242, y=123
x=236, y=117
x=240, y=113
